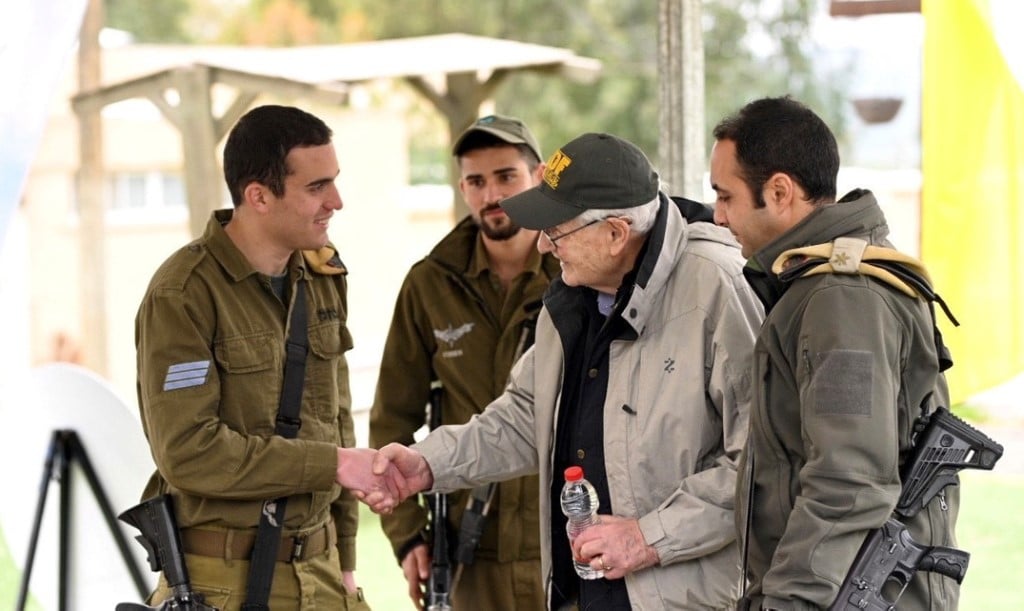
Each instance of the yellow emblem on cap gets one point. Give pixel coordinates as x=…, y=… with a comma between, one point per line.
x=555, y=166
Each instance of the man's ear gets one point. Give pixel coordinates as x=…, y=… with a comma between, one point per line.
x=255, y=195
x=538, y=172
x=780, y=192
x=621, y=229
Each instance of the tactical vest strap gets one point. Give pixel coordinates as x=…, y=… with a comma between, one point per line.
x=850, y=256
x=855, y=256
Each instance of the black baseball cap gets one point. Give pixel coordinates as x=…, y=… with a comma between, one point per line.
x=594, y=171
x=506, y=129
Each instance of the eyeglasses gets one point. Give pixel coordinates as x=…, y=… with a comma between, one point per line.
x=554, y=239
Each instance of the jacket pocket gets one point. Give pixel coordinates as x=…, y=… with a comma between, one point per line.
x=250, y=372
x=327, y=371
x=245, y=354
x=329, y=340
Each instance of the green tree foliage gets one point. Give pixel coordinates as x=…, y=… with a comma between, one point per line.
x=162, y=21
x=281, y=23
x=752, y=49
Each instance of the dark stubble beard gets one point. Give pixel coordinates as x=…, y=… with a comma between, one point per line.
x=505, y=231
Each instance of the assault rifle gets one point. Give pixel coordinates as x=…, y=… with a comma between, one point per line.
x=155, y=519
x=889, y=557
x=439, y=585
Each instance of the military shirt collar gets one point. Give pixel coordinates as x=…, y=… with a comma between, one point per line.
x=855, y=214
x=230, y=257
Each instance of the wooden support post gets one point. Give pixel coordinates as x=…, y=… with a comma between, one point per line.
x=92, y=205
x=203, y=180
x=460, y=105
x=681, y=152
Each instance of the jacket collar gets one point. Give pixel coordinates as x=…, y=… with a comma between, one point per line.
x=856, y=214
x=230, y=257
x=643, y=287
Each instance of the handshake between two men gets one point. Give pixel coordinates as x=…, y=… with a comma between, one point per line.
x=383, y=478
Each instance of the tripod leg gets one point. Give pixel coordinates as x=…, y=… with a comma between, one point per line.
x=63, y=556
x=54, y=451
x=77, y=451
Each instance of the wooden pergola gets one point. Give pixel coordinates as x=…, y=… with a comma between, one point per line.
x=470, y=69
x=457, y=73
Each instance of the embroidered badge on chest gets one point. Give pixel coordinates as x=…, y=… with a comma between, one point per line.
x=451, y=335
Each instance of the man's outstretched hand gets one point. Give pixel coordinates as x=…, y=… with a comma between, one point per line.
x=356, y=471
x=404, y=472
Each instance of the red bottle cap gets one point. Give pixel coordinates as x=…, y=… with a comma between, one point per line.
x=574, y=474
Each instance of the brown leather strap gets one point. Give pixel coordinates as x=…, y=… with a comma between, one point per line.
x=237, y=544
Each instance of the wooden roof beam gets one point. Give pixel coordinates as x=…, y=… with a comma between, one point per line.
x=144, y=87
x=860, y=8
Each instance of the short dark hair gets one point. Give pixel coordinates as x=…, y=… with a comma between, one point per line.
x=261, y=140
x=483, y=140
x=782, y=135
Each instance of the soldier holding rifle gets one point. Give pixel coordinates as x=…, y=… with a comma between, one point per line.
x=465, y=314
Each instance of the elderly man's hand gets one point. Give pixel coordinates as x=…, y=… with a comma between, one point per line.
x=355, y=471
x=615, y=546
x=401, y=472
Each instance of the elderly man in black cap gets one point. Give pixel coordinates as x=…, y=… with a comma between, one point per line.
x=639, y=374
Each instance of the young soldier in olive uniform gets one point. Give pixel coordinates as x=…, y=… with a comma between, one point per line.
x=210, y=335
x=465, y=313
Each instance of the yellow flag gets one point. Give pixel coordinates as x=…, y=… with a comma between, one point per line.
x=972, y=202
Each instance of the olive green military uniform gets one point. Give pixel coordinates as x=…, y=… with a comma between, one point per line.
x=454, y=323
x=210, y=336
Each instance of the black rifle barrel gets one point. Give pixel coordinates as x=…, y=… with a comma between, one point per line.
x=439, y=584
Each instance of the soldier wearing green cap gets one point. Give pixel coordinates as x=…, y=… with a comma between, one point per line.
x=465, y=313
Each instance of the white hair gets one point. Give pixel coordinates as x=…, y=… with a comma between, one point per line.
x=641, y=218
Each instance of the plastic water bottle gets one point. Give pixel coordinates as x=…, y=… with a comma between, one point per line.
x=579, y=504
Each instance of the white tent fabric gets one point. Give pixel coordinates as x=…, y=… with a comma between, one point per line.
x=36, y=40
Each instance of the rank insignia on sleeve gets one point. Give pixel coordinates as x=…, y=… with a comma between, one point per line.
x=186, y=375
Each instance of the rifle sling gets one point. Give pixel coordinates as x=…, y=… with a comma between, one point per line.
x=268, y=535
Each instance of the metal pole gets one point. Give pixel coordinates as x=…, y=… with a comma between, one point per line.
x=53, y=453
x=64, y=549
x=76, y=450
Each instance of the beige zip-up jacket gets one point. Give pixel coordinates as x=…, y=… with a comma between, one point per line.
x=675, y=416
